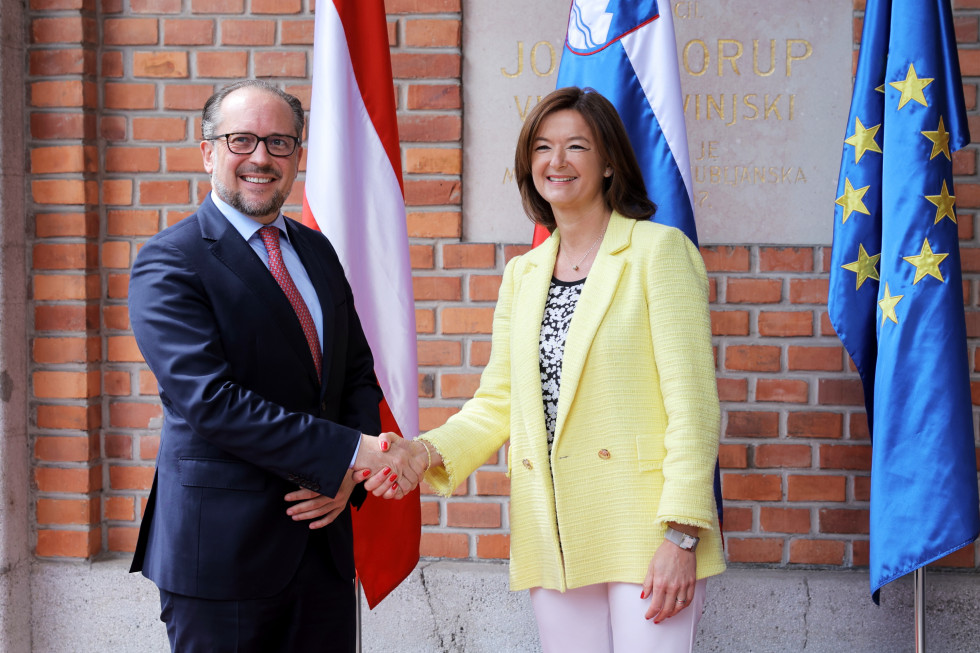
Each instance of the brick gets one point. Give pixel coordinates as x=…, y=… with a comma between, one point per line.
x=753, y=291
x=446, y=353
x=814, y=425
x=444, y=545
x=432, y=192
x=406, y=65
x=64, y=191
x=459, y=386
x=816, y=488
x=468, y=256
x=68, y=543
x=484, y=288
x=467, y=320
x=124, y=349
x=862, y=488
x=63, y=93
x=65, y=385
x=75, y=480
x=66, y=350
x=430, y=513
x=782, y=456
x=493, y=546
x=492, y=483
x=57, y=287
x=726, y=259
x=65, y=318
x=112, y=64
x=784, y=520
x=733, y=456
x=65, y=158
x=148, y=383
x=752, y=424
x=164, y=192
x=729, y=323
x=295, y=32
x=823, y=359
x=751, y=487
x=222, y=64
x=67, y=511
x=149, y=445
x=840, y=392
x=279, y=64
x=134, y=415
x=62, y=126
x=782, y=390
x=473, y=515
x=119, y=508
x=50, y=225
x=116, y=254
x=66, y=449
x=733, y=389
x=785, y=259
x=65, y=256
x=433, y=97
x=155, y=6
x=816, y=552
x=68, y=29
x=161, y=65
x=736, y=519
x=116, y=383
x=125, y=96
x=845, y=456
x=132, y=159
x=433, y=160
x=121, y=538
x=180, y=31
x=752, y=358
x=217, y=6
x=133, y=223
x=755, y=550
x=422, y=6
x=186, y=97
x=425, y=320
x=434, y=288
x=63, y=61
x=479, y=353
x=129, y=477
x=808, y=291
x=276, y=6
x=184, y=159
x=429, y=128
x=119, y=446
x=432, y=33
x=248, y=32
x=69, y=417
x=130, y=31
x=843, y=521
x=785, y=323
x=431, y=417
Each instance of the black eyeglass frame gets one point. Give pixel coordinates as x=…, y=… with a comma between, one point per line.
x=259, y=139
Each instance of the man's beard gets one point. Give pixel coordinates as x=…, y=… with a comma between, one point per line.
x=252, y=209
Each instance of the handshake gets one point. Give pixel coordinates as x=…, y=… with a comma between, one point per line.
x=391, y=466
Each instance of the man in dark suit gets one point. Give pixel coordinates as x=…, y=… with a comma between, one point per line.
x=268, y=387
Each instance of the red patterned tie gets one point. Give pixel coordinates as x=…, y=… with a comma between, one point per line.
x=270, y=236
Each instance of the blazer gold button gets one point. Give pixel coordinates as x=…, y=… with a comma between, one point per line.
x=604, y=454
x=527, y=464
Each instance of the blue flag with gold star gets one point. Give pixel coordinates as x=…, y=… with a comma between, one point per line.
x=896, y=296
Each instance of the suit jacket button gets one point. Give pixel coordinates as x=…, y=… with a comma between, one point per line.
x=323, y=407
x=527, y=464
x=604, y=454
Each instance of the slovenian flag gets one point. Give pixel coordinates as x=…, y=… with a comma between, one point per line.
x=626, y=51
x=354, y=195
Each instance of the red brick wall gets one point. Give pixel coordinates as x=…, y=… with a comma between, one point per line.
x=113, y=130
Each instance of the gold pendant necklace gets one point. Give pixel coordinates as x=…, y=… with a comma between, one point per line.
x=589, y=251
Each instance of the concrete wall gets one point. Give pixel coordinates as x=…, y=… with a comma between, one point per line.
x=465, y=607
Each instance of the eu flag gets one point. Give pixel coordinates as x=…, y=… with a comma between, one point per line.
x=896, y=297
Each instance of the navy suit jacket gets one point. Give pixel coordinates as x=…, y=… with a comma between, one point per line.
x=246, y=420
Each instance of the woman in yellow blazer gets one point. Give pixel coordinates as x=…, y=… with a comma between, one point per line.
x=612, y=415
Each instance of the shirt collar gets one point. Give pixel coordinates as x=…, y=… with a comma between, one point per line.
x=243, y=224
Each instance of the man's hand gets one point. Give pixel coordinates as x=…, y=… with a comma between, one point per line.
x=316, y=506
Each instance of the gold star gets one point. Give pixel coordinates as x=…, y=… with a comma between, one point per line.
x=926, y=263
x=864, y=267
x=863, y=139
x=940, y=141
x=887, y=305
x=852, y=200
x=912, y=87
x=944, y=204
x=880, y=89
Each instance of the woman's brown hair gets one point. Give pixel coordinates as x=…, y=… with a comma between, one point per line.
x=624, y=191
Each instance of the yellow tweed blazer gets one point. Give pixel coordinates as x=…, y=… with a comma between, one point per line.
x=636, y=437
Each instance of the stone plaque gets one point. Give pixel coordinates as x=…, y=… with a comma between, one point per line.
x=766, y=93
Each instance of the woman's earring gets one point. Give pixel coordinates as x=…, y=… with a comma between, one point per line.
x=608, y=172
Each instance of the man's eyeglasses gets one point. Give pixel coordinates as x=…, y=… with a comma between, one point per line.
x=245, y=143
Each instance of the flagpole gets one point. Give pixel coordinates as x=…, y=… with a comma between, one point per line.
x=919, y=581
x=357, y=612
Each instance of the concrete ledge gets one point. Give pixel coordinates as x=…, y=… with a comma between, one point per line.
x=465, y=607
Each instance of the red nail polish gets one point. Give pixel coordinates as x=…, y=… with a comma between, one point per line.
x=643, y=594
x=386, y=471
x=393, y=477
x=394, y=486
x=384, y=445
x=366, y=473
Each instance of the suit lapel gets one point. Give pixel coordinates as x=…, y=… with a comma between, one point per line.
x=228, y=246
x=594, y=302
x=530, y=297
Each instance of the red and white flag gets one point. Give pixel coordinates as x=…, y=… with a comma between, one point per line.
x=354, y=195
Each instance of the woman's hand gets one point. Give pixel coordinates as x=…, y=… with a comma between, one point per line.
x=670, y=580
x=413, y=461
